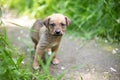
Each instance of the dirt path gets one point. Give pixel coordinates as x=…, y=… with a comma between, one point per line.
x=91, y=61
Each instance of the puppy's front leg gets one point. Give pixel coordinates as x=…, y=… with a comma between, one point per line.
x=54, y=50
x=38, y=55
x=49, y=51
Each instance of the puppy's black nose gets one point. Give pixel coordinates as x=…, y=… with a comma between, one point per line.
x=57, y=31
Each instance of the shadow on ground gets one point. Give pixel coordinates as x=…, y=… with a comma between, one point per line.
x=80, y=61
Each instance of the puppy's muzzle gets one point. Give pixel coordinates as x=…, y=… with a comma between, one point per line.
x=57, y=33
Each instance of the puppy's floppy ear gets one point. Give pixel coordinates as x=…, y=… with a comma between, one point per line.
x=68, y=21
x=46, y=21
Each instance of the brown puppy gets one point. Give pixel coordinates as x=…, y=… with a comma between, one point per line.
x=47, y=35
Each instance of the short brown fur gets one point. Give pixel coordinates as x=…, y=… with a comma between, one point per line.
x=47, y=35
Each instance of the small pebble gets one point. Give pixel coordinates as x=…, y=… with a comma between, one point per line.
x=62, y=68
x=114, y=51
x=113, y=70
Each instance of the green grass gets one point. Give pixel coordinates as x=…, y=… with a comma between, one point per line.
x=89, y=18
x=11, y=58
x=11, y=67
x=93, y=18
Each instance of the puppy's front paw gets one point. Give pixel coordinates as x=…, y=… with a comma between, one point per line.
x=35, y=66
x=55, y=61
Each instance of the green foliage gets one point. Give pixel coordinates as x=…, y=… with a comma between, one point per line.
x=90, y=18
x=11, y=67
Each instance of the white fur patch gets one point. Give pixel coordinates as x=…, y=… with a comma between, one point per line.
x=49, y=53
x=36, y=67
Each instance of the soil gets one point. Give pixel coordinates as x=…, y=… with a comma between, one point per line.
x=80, y=60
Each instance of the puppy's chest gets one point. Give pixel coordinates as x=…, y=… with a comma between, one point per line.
x=52, y=44
x=53, y=40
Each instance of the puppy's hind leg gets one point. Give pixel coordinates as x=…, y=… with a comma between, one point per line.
x=35, y=43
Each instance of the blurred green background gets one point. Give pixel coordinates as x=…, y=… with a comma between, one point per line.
x=90, y=18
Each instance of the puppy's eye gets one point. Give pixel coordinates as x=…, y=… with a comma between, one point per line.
x=62, y=24
x=52, y=24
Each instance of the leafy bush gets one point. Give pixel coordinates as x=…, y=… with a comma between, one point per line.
x=90, y=18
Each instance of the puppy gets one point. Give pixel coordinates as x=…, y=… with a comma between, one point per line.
x=47, y=35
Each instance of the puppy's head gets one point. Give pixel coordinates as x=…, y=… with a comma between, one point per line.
x=56, y=24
